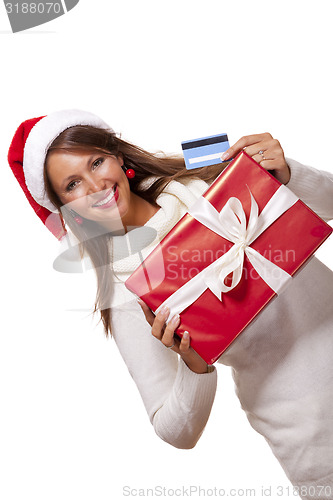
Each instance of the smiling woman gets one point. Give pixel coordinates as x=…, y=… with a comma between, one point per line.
x=72, y=162
x=93, y=183
x=74, y=171
x=95, y=187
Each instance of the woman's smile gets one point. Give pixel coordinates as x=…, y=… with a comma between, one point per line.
x=109, y=199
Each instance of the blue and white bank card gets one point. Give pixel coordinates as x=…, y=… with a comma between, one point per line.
x=205, y=151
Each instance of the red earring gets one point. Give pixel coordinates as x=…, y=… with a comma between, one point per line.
x=130, y=173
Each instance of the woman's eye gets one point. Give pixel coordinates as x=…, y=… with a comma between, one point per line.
x=71, y=186
x=98, y=162
x=95, y=164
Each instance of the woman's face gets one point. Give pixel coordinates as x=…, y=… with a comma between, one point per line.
x=92, y=184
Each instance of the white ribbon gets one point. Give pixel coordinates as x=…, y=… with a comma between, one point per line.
x=230, y=223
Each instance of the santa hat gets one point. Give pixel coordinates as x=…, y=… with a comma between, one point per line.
x=27, y=155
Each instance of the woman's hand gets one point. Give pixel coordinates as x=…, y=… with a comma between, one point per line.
x=166, y=334
x=264, y=150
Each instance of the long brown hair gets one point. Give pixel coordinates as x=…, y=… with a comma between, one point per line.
x=94, y=241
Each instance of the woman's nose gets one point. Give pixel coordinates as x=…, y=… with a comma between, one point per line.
x=95, y=185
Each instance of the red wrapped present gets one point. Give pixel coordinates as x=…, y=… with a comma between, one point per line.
x=226, y=258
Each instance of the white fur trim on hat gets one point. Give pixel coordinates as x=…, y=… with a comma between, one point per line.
x=38, y=142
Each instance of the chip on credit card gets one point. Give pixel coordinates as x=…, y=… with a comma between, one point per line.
x=205, y=151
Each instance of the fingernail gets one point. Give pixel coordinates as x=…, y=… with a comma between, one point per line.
x=140, y=302
x=176, y=319
x=225, y=156
x=164, y=310
x=186, y=334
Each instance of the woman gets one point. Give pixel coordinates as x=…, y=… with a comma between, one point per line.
x=107, y=192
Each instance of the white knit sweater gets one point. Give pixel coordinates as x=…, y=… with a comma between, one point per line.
x=282, y=362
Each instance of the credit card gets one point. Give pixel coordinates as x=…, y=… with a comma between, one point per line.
x=205, y=151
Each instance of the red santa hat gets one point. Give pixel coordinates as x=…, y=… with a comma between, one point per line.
x=27, y=155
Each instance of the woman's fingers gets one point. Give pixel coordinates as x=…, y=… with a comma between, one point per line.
x=270, y=149
x=161, y=331
x=168, y=335
x=169, y=340
x=264, y=149
x=184, y=345
x=158, y=325
x=245, y=142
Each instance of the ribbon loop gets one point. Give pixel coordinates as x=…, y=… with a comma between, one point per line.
x=215, y=274
x=232, y=219
x=233, y=222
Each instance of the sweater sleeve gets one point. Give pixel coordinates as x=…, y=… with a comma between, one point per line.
x=313, y=187
x=178, y=401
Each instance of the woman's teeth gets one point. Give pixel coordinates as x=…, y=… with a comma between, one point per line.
x=107, y=199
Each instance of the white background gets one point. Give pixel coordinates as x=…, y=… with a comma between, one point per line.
x=72, y=424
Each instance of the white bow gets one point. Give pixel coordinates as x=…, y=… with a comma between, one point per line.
x=230, y=223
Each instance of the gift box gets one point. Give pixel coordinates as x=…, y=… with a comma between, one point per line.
x=236, y=248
